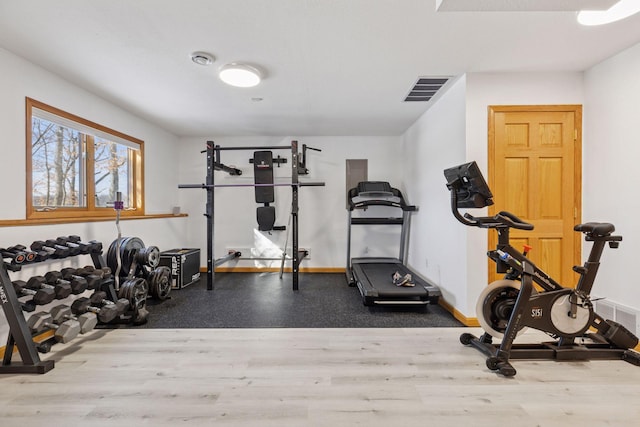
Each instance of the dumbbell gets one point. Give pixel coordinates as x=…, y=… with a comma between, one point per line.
x=64, y=332
x=93, y=246
x=55, y=278
x=100, y=298
x=41, y=296
x=62, y=290
x=105, y=314
x=61, y=313
x=78, y=284
x=30, y=255
x=65, y=251
x=71, y=274
x=54, y=251
x=74, y=248
x=103, y=273
x=93, y=280
x=15, y=257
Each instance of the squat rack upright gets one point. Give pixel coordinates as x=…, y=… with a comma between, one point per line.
x=215, y=164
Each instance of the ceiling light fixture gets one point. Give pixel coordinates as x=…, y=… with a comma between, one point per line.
x=240, y=75
x=621, y=10
x=202, y=58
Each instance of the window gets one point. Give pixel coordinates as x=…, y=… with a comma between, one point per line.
x=76, y=168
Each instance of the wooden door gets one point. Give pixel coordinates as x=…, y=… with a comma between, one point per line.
x=535, y=172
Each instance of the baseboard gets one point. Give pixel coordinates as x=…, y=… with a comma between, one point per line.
x=466, y=321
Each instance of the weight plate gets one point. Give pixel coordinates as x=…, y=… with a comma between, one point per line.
x=149, y=256
x=135, y=291
x=129, y=247
x=160, y=283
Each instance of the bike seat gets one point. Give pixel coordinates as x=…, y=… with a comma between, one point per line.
x=596, y=229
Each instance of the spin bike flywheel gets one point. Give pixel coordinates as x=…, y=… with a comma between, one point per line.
x=495, y=305
x=567, y=325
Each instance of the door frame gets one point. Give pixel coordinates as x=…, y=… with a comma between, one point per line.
x=576, y=109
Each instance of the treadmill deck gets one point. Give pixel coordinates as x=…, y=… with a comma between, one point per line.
x=373, y=276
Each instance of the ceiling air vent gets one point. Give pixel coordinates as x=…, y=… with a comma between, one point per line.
x=425, y=88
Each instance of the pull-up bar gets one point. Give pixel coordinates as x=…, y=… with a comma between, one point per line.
x=268, y=147
x=284, y=184
x=214, y=163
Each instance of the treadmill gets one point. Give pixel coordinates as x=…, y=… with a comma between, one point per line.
x=373, y=276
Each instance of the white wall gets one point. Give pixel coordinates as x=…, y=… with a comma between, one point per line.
x=322, y=214
x=20, y=79
x=435, y=142
x=610, y=169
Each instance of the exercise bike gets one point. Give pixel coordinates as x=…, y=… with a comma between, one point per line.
x=507, y=307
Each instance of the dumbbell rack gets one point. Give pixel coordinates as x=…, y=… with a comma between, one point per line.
x=19, y=333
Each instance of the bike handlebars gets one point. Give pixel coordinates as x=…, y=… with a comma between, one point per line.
x=502, y=219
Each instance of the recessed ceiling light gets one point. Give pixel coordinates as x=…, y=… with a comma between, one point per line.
x=202, y=58
x=240, y=75
x=621, y=10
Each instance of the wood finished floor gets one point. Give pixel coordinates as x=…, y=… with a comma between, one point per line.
x=309, y=377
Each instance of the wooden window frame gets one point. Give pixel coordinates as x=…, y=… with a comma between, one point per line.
x=90, y=211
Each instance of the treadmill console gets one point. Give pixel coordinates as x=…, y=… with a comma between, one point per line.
x=374, y=189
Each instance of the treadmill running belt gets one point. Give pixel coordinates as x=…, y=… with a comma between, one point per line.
x=378, y=276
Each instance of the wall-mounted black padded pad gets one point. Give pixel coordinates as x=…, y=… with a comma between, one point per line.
x=263, y=174
x=266, y=216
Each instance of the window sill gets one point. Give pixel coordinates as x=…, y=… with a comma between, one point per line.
x=47, y=221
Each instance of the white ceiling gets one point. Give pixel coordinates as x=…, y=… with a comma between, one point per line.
x=333, y=67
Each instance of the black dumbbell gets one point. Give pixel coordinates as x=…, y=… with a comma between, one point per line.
x=55, y=278
x=64, y=332
x=15, y=257
x=93, y=246
x=65, y=251
x=103, y=272
x=74, y=248
x=55, y=251
x=41, y=296
x=105, y=314
x=93, y=280
x=31, y=256
x=78, y=285
x=100, y=298
x=62, y=290
x=74, y=241
x=61, y=313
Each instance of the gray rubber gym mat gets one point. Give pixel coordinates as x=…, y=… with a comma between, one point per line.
x=263, y=300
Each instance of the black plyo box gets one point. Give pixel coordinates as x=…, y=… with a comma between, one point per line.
x=184, y=265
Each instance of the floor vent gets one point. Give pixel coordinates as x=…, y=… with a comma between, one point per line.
x=626, y=316
x=425, y=88
x=605, y=309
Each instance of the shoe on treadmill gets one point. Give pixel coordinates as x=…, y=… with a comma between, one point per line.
x=407, y=280
x=397, y=279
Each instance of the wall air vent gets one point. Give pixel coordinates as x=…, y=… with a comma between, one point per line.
x=425, y=88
